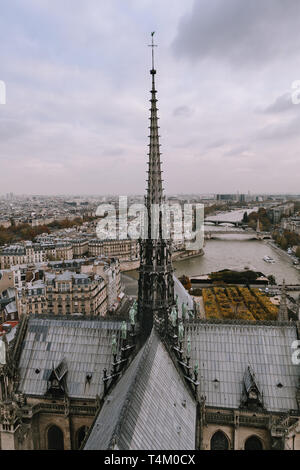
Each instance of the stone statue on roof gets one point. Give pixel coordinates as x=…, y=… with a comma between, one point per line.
x=191, y=312
x=124, y=330
x=174, y=316
x=180, y=331
x=114, y=344
x=132, y=313
x=183, y=311
x=2, y=352
x=189, y=347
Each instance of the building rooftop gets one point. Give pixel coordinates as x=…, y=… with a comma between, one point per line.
x=84, y=344
x=149, y=408
x=224, y=351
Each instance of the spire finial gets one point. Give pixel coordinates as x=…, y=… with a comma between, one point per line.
x=153, y=46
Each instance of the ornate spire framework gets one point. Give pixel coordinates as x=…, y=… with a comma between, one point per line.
x=154, y=190
x=156, y=284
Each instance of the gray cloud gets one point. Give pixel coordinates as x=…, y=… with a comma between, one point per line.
x=281, y=104
x=281, y=130
x=238, y=150
x=216, y=144
x=183, y=111
x=12, y=129
x=241, y=32
x=78, y=87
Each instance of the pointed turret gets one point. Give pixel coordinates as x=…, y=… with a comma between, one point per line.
x=258, y=226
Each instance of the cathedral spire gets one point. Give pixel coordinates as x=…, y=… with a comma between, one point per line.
x=154, y=189
x=156, y=283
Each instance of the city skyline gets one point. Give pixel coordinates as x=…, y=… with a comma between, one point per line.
x=75, y=120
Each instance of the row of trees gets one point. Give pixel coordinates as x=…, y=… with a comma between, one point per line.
x=264, y=221
x=20, y=232
x=287, y=239
x=235, y=277
x=213, y=208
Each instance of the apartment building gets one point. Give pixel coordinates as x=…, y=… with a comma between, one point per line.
x=292, y=224
x=109, y=269
x=29, y=252
x=283, y=210
x=64, y=293
x=80, y=247
x=124, y=250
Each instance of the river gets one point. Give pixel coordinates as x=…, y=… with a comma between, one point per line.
x=233, y=252
x=236, y=252
x=234, y=215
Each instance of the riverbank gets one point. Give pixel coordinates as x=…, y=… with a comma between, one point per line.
x=127, y=266
x=186, y=254
x=237, y=254
x=283, y=252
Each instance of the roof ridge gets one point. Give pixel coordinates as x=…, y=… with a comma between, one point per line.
x=136, y=376
x=178, y=368
x=218, y=321
x=79, y=317
x=18, y=339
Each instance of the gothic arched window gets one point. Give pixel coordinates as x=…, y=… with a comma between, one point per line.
x=81, y=435
x=219, y=441
x=55, y=438
x=253, y=443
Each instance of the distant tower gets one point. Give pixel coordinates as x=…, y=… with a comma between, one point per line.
x=258, y=225
x=156, y=284
x=283, y=310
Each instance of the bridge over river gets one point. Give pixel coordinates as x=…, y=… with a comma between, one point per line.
x=208, y=235
x=235, y=223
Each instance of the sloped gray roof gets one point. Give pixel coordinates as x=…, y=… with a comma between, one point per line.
x=84, y=344
x=11, y=307
x=224, y=351
x=149, y=408
x=65, y=276
x=8, y=293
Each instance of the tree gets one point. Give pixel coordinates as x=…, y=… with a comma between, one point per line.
x=185, y=281
x=272, y=280
x=245, y=218
x=298, y=252
x=265, y=222
x=284, y=243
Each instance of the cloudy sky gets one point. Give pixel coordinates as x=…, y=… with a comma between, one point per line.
x=77, y=79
